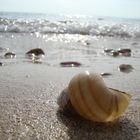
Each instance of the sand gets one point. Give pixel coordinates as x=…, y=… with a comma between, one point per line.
x=29, y=110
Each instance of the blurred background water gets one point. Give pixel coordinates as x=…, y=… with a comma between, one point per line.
x=68, y=38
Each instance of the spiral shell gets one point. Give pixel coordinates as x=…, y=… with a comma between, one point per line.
x=93, y=100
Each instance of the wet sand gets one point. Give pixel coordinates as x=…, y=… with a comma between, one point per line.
x=29, y=110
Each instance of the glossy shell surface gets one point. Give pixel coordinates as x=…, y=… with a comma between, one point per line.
x=93, y=100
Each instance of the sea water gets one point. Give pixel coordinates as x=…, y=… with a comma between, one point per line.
x=68, y=38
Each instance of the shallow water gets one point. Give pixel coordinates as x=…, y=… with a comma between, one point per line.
x=68, y=38
x=86, y=49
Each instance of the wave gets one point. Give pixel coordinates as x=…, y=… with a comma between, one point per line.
x=70, y=27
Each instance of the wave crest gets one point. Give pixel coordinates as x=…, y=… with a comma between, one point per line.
x=69, y=27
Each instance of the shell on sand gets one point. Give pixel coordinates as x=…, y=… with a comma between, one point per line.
x=94, y=101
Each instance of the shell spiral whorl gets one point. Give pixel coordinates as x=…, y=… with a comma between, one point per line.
x=93, y=100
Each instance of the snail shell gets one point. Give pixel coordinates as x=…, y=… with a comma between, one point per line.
x=94, y=101
x=64, y=102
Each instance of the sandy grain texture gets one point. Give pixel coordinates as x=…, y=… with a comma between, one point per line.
x=29, y=110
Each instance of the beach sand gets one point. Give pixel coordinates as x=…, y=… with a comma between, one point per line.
x=29, y=110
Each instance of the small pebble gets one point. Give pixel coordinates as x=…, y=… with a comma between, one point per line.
x=125, y=68
x=70, y=64
x=36, y=51
x=1, y=63
x=125, y=52
x=10, y=55
x=106, y=74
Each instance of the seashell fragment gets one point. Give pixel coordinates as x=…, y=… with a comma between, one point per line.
x=91, y=99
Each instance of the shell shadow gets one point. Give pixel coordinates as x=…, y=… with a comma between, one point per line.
x=81, y=129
